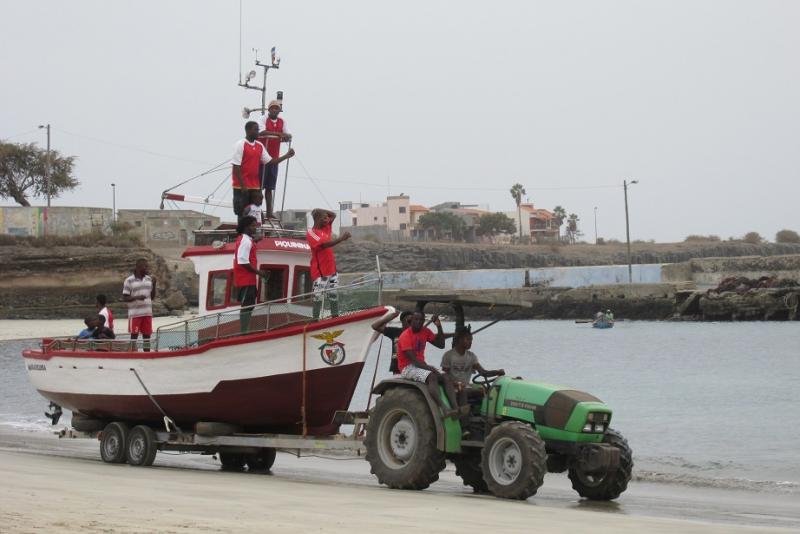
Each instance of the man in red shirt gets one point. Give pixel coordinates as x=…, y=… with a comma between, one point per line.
x=323, y=263
x=245, y=268
x=272, y=132
x=411, y=361
x=248, y=154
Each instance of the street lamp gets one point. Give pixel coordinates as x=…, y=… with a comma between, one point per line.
x=595, y=225
x=628, y=229
x=114, y=202
x=48, y=161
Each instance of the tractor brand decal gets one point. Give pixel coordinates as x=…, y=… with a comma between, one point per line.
x=519, y=404
x=332, y=352
x=36, y=367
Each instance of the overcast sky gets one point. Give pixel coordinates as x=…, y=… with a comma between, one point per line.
x=442, y=101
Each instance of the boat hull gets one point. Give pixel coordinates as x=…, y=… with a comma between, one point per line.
x=603, y=322
x=259, y=381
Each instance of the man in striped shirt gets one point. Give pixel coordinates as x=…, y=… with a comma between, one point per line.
x=138, y=291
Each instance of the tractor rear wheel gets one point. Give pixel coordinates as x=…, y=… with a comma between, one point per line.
x=514, y=460
x=401, y=441
x=606, y=486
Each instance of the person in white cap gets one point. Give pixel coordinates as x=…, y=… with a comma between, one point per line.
x=272, y=132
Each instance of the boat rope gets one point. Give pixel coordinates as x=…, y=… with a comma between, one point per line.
x=167, y=420
x=312, y=181
x=286, y=179
x=375, y=374
x=217, y=168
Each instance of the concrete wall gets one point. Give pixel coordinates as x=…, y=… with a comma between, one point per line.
x=519, y=278
x=61, y=220
x=709, y=272
x=167, y=229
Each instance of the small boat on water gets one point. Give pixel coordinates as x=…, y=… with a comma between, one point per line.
x=281, y=370
x=603, y=322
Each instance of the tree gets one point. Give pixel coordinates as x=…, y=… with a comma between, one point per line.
x=560, y=214
x=517, y=190
x=443, y=222
x=753, y=238
x=492, y=224
x=787, y=236
x=23, y=172
x=572, y=228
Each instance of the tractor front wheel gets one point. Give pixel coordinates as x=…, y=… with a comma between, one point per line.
x=606, y=486
x=401, y=441
x=514, y=461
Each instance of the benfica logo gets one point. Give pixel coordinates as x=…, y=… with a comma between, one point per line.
x=332, y=352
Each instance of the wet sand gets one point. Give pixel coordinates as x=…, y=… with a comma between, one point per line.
x=54, y=485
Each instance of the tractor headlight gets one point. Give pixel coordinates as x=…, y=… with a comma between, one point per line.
x=587, y=427
x=599, y=428
x=605, y=417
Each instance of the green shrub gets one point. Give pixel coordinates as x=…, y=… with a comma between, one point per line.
x=787, y=236
x=753, y=238
x=701, y=238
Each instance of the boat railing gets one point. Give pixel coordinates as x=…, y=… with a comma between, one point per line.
x=273, y=315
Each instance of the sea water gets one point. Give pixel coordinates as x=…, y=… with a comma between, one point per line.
x=700, y=403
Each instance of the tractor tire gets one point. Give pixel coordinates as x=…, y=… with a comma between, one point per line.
x=112, y=444
x=606, y=486
x=468, y=467
x=232, y=461
x=514, y=460
x=261, y=461
x=401, y=441
x=141, y=447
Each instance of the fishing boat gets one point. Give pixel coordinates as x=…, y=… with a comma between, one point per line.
x=273, y=368
x=603, y=322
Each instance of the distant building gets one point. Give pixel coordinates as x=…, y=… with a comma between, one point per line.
x=167, y=228
x=55, y=220
x=536, y=223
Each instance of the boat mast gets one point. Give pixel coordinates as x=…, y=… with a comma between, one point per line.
x=276, y=64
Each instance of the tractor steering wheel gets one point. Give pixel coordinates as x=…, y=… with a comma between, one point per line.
x=483, y=381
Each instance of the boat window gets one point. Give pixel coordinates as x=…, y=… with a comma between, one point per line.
x=302, y=281
x=276, y=285
x=217, y=289
x=233, y=291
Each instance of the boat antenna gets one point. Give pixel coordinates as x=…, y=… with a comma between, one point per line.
x=240, y=42
x=275, y=64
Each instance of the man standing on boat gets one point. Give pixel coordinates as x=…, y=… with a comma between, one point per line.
x=272, y=132
x=323, y=262
x=248, y=154
x=245, y=268
x=138, y=291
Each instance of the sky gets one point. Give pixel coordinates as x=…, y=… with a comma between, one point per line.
x=697, y=101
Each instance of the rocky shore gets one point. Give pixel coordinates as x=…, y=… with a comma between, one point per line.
x=61, y=282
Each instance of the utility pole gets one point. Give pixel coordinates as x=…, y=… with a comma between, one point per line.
x=48, y=162
x=114, y=202
x=595, y=225
x=628, y=229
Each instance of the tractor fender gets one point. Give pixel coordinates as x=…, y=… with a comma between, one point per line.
x=411, y=384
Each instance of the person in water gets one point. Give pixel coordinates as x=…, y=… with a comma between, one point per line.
x=411, y=361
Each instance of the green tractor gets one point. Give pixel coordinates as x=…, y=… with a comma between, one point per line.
x=520, y=430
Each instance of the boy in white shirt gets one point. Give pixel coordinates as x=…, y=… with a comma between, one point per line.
x=253, y=209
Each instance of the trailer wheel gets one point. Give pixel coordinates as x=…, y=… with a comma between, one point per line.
x=232, y=461
x=141, y=446
x=468, y=467
x=514, y=461
x=606, y=486
x=261, y=461
x=401, y=441
x=112, y=444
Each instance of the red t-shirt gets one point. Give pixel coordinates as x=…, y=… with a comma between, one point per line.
x=322, y=261
x=248, y=156
x=245, y=250
x=414, y=341
x=273, y=144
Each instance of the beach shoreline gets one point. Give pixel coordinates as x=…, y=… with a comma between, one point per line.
x=62, y=485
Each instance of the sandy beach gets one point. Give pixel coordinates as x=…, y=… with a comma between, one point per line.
x=57, y=485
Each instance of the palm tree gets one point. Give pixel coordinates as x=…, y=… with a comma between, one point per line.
x=572, y=227
x=560, y=214
x=517, y=190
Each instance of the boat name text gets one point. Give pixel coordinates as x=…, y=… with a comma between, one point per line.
x=36, y=367
x=292, y=244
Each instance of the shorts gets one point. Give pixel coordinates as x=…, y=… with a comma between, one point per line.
x=247, y=295
x=410, y=372
x=269, y=177
x=141, y=325
x=326, y=282
x=240, y=201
